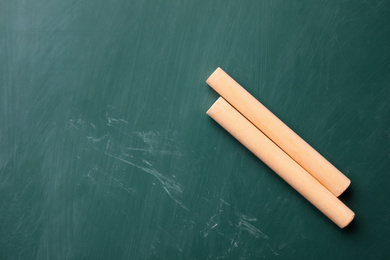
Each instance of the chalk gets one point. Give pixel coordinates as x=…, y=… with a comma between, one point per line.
x=267, y=151
x=278, y=132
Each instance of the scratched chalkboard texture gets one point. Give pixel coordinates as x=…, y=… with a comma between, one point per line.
x=106, y=151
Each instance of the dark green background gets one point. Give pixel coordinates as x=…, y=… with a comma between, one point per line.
x=106, y=151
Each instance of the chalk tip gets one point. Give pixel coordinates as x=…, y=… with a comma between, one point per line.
x=348, y=221
x=347, y=183
x=211, y=109
x=209, y=80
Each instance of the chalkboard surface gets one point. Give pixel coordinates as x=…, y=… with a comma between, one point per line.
x=106, y=151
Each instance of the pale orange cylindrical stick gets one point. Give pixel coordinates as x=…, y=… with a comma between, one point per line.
x=278, y=132
x=267, y=151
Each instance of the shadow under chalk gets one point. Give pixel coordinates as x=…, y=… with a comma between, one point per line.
x=346, y=197
x=353, y=227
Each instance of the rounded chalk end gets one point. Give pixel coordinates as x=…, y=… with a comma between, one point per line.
x=342, y=189
x=348, y=220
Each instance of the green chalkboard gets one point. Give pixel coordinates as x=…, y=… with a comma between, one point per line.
x=106, y=151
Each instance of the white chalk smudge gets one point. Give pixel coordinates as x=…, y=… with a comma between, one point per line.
x=168, y=184
x=152, y=151
x=224, y=202
x=148, y=163
x=150, y=144
x=237, y=230
x=77, y=124
x=93, y=174
x=111, y=121
x=153, y=141
x=97, y=139
x=272, y=250
x=244, y=224
x=210, y=225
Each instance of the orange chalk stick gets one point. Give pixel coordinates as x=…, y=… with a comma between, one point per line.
x=259, y=144
x=278, y=132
